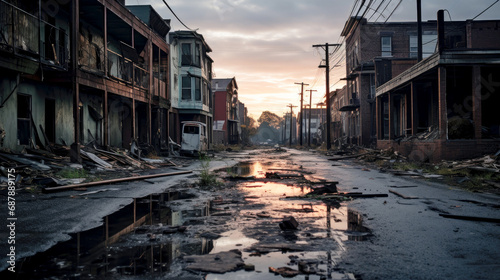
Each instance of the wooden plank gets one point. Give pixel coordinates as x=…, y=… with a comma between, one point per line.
x=114, y=181
x=471, y=218
x=402, y=195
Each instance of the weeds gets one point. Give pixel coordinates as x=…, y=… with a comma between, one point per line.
x=207, y=178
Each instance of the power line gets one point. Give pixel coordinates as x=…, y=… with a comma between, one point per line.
x=176, y=16
x=393, y=11
x=485, y=10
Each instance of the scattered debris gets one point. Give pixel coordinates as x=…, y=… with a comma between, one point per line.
x=221, y=262
x=284, y=271
x=289, y=223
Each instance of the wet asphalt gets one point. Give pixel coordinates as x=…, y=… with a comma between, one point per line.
x=410, y=240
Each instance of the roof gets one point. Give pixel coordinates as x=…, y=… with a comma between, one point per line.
x=188, y=34
x=448, y=57
x=223, y=83
x=148, y=15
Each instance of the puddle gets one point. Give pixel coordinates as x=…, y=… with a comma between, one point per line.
x=103, y=251
x=147, y=236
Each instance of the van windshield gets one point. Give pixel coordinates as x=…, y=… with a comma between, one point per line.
x=188, y=129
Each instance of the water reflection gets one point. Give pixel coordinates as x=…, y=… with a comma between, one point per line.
x=102, y=252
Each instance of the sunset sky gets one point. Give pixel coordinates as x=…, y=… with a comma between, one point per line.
x=267, y=44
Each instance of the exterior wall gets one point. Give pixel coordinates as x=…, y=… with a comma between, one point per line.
x=38, y=92
x=483, y=34
x=437, y=150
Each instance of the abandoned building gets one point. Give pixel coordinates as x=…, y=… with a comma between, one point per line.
x=191, y=76
x=445, y=106
x=369, y=44
x=227, y=127
x=376, y=107
x=83, y=71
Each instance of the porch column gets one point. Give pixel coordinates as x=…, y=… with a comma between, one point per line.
x=134, y=133
x=413, y=108
x=105, y=109
x=442, y=112
x=106, y=120
x=378, y=118
x=75, y=18
x=391, y=118
x=476, y=100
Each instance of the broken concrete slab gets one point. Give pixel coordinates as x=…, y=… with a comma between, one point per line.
x=221, y=262
x=284, y=271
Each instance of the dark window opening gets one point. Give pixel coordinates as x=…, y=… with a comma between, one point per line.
x=490, y=98
x=50, y=120
x=197, y=89
x=189, y=129
x=186, y=88
x=23, y=119
x=186, y=54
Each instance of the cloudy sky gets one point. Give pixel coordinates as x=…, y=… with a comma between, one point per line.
x=267, y=44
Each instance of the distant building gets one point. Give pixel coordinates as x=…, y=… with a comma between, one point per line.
x=226, y=124
x=96, y=72
x=191, y=76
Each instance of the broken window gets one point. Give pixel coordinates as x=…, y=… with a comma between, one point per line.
x=23, y=119
x=186, y=88
x=91, y=49
x=186, y=54
x=190, y=129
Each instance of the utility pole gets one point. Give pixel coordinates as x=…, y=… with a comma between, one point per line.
x=419, y=31
x=301, y=108
x=284, y=131
x=328, y=109
x=310, y=113
x=291, y=122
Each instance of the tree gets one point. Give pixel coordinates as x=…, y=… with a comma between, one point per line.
x=271, y=119
x=248, y=130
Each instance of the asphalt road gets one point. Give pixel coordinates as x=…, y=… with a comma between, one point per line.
x=410, y=239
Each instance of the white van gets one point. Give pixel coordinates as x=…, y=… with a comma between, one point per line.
x=194, y=138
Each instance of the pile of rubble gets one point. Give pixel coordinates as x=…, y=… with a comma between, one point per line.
x=35, y=167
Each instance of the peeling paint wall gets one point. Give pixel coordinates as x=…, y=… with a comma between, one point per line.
x=39, y=93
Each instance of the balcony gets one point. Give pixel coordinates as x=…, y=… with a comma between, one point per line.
x=26, y=35
x=125, y=70
x=353, y=105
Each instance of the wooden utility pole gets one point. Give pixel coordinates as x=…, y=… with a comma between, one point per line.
x=291, y=122
x=310, y=113
x=419, y=30
x=301, y=109
x=328, y=108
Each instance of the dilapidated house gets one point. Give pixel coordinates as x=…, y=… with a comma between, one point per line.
x=226, y=115
x=191, y=76
x=445, y=107
x=369, y=46
x=82, y=71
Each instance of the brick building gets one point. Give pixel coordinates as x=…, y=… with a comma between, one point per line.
x=445, y=107
x=375, y=52
x=226, y=128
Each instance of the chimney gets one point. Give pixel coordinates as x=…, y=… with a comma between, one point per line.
x=440, y=29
